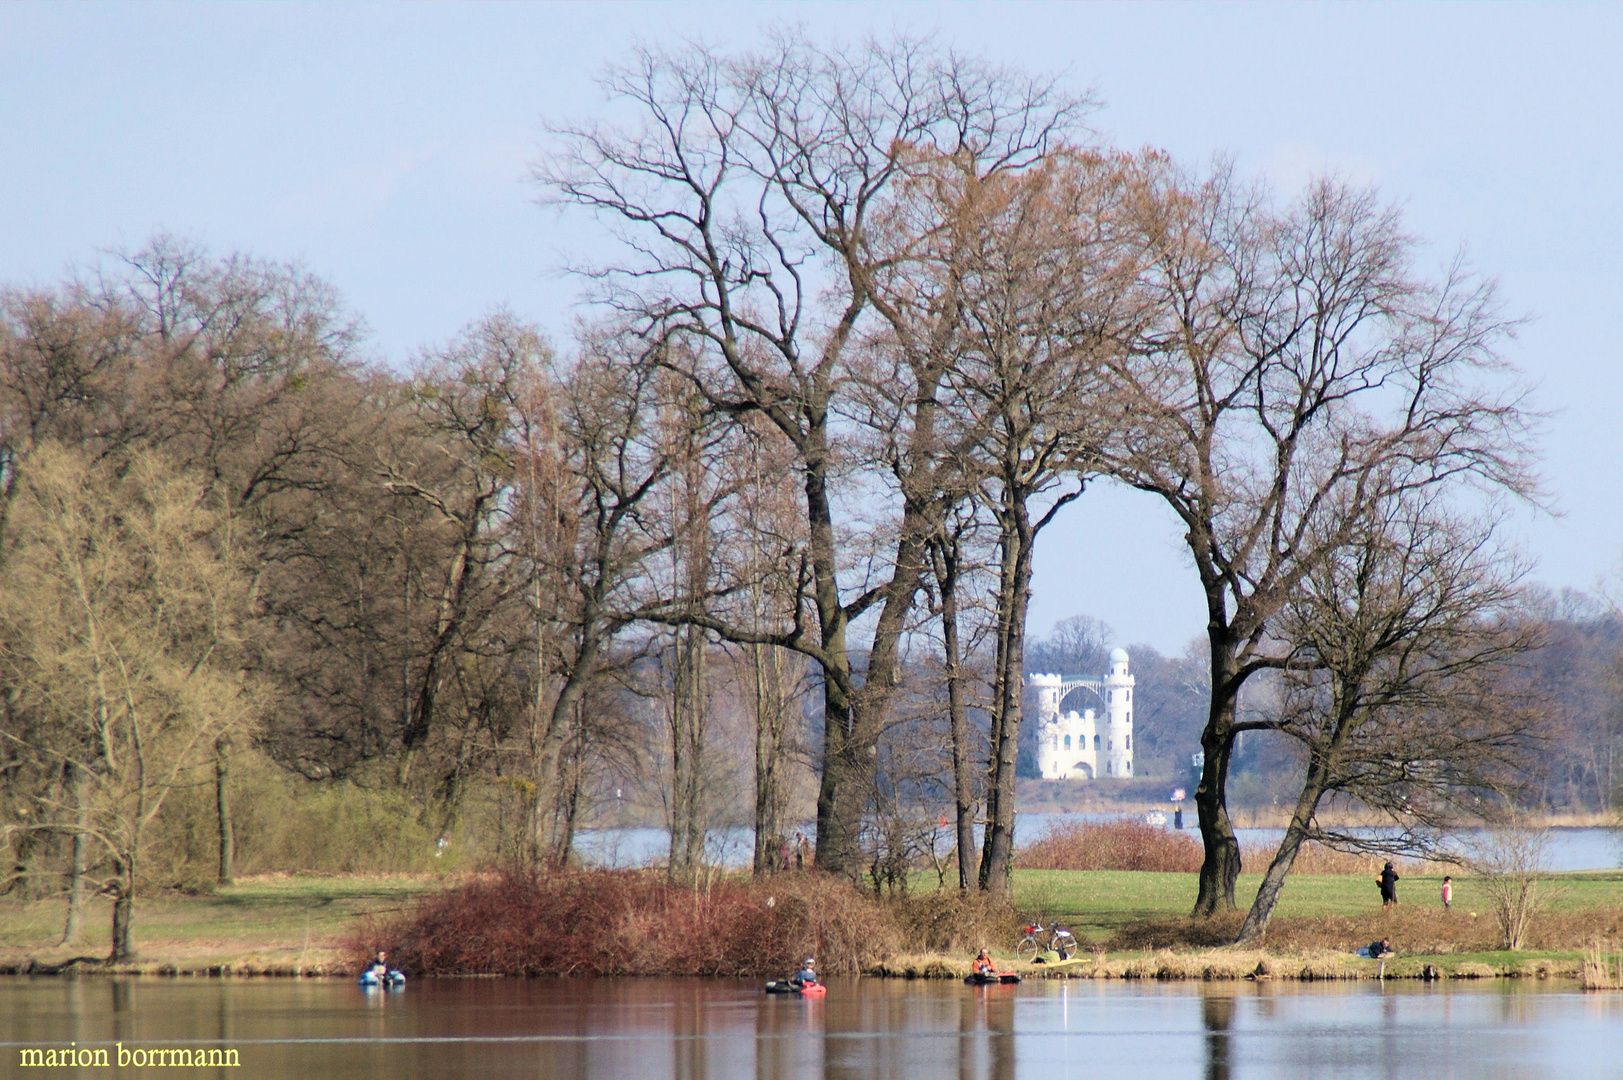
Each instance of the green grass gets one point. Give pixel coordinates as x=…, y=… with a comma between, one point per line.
x=1101, y=901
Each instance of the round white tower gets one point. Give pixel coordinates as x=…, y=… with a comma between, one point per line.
x=1045, y=691
x=1118, y=733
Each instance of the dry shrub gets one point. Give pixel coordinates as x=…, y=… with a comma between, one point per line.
x=1315, y=858
x=1123, y=844
x=948, y=921
x=914, y=966
x=1203, y=933
x=634, y=923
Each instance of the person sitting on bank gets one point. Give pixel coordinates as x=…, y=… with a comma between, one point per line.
x=806, y=976
x=983, y=963
x=1389, y=885
x=1381, y=950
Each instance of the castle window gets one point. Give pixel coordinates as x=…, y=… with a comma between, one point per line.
x=1129, y=718
x=1096, y=742
x=1067, y=742
x=1129, y=743
x=1111, y=745
x=1129, y=695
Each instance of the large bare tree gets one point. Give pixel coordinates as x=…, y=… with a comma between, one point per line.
x=744, y=191
x=1298, y=358
x=1397, y=637
x=1040, y=270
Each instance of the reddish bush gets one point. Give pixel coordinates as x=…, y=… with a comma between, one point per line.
x=633, y=923
x=1123, y=844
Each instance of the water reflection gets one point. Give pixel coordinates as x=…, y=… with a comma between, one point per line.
x=696, y=1029
x=1217, y=1016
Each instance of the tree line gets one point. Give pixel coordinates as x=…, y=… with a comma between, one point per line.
x=865, y=320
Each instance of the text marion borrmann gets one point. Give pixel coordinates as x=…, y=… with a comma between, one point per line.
x=86, y=1057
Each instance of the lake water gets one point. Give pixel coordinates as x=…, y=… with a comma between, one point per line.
x=698, y=1029
x=1568, y=849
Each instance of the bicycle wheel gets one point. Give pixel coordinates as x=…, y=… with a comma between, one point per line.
x=1028, y=947
x=1064, y=944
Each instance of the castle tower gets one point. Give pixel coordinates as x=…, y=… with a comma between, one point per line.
x=1069, y=745
x=1047, y=690
x=1118, y=733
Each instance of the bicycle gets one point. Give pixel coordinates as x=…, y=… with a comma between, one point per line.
x=1060, y=940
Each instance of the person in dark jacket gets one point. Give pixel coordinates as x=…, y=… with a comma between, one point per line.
x=1381, y=950
x=1389, y=885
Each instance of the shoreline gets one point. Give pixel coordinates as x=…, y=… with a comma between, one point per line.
x=1166, y=965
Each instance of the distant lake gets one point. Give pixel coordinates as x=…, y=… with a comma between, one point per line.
x=714, y=1029
x=1569, y=848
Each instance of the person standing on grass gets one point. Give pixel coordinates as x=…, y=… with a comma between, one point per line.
x=1448, y=893
x=1389, y=885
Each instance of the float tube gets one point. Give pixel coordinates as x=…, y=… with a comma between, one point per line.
x=810, y=990
x=395, y=978
x=991, y=978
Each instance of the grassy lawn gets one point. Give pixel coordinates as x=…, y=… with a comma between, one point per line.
x=1102, y=901
x=280, y=922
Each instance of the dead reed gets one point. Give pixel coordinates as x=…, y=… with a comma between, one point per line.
x=1602, y=967
x=1123, y=844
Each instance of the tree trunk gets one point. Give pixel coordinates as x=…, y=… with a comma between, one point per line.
x=551, y=844
x=769, y=779
x=963, y=780
x=1220, y=867
x=1273, y=882
x=123, y=909
x=687, y=754
x=77, y=866
x=222, y=805
x=841, y=797
x=1014, y=598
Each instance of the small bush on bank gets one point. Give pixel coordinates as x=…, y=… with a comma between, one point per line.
x=603, y=922
x=1123, y=844
x=948, y=921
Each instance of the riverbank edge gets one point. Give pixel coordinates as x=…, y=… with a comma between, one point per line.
x=1211, y=965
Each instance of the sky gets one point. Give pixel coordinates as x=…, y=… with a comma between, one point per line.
x=388, y=148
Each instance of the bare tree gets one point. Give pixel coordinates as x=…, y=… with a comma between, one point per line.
x=603, y=466
x=1296, y=359
x=952, y=563
x=123, y=597
x=1511, y=864
x=1396, y=639
x=745, y=194
x=1040, y=270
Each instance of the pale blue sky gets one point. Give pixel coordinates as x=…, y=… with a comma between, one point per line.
x=386, y=146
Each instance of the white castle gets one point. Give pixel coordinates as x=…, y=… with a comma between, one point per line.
x=1072, y=745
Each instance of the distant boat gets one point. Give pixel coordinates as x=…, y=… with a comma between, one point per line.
x=1155, y=817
